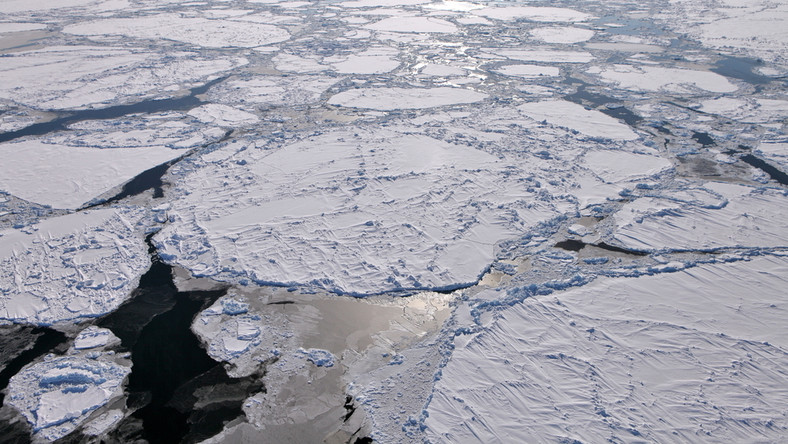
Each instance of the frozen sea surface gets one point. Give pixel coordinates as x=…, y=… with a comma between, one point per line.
x=558, y=221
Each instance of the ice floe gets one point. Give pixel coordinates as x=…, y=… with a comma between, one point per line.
x=388, y=99
x=533, y=13
x=79, y=175
x=657, y=78
x=76, y=266
x=746, y=217
x=64, y=77
x=413, y=24
x=696, y=354
x=528, y=71
x=210, y=33
x=58, y=394
x=562, y=34
x=591, y=122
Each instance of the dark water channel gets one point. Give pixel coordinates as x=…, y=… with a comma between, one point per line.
x=170, y=368
x=146, y=106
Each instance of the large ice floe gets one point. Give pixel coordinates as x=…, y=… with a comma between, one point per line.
x=692, y=355
x=359, y=212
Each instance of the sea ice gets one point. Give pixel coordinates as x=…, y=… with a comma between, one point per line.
x=69, y=267
x=388, y=99
x=544, y=55
x=66, y=77
x=210, y=33
x=59, y=393
x=77, y=176
x=657, y=78
x=413, y=24
x=696, y=353
x=564, y=34
x=747, y=217
x=533, y=13
x=590, y=122
x=528, y=71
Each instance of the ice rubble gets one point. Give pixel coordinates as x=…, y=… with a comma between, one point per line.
x=693, y=355
x=76, y=266
x=209, y=33
x=58, y=394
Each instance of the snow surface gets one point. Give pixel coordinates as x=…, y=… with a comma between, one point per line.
x=656, y=78
x=209, y=33
x=56, y=395
x=413, y=24
x=80, y=265
x=79, y=175
x=528, y=71
x=591, y=122
x=693, y=355
x=533, y=13
x=65, y=77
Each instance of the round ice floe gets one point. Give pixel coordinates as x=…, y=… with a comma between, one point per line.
x=58, y=394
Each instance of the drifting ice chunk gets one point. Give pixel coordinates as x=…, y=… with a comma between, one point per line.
x=58, y=394
x=75, y=266
x=93, y=337
x=545, y=55
x=388, y=99
x=574, y=116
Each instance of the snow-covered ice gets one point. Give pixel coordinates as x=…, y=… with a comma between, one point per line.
x=210, y=33
x=387, y=99
x=56, y=395
x=563, y=34
x=79, y=175
x=693, y=355
x=591, y=122
x=80, y=265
